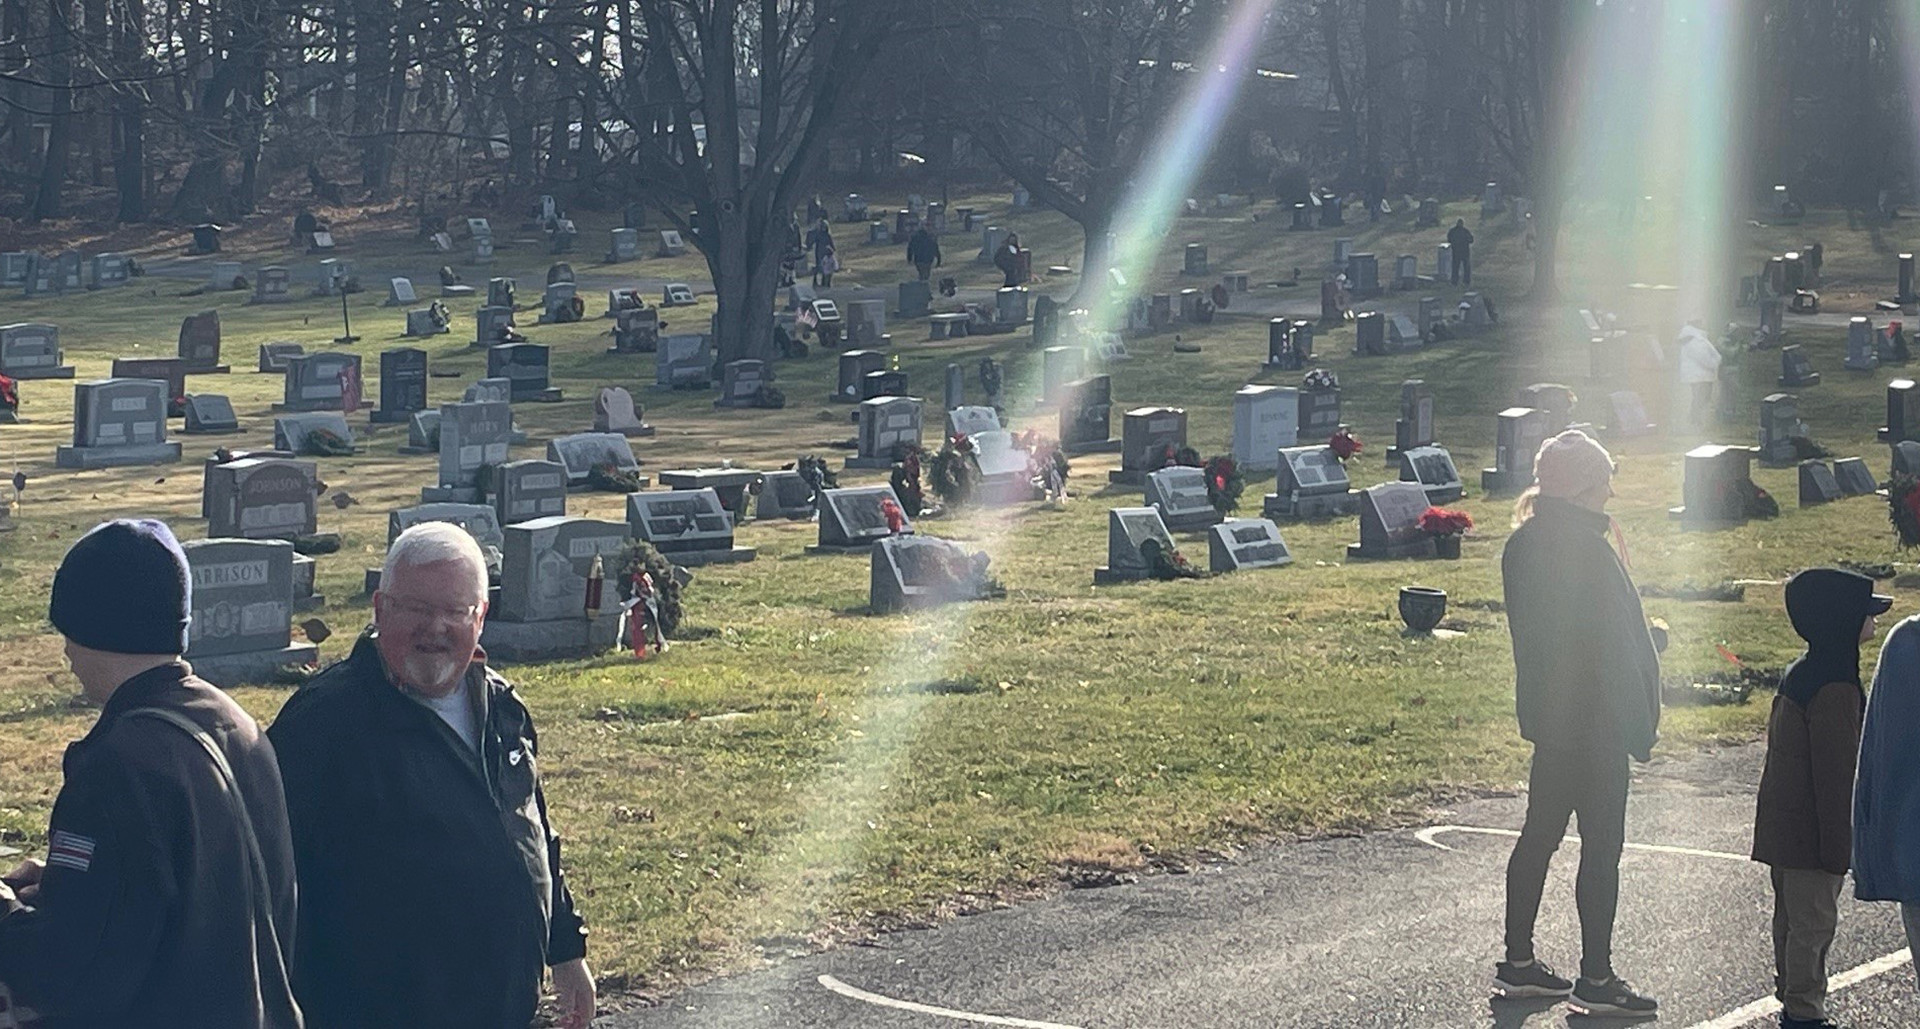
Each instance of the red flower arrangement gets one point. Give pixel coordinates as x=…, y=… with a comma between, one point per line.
x=896, y=518
x=1225, y=483
x=1903, y=508
x=1343, y=444
x=1441, y=521
x=9, y=394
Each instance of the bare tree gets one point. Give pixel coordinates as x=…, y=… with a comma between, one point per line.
x=1068, y=96
x=730, y=112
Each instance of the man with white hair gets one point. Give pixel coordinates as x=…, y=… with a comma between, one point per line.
x=424, y=853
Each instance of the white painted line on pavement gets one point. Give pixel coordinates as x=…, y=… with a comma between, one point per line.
x=1427, y=835
x=855, y=993
x=1740, y=1016
x=1767, y=1005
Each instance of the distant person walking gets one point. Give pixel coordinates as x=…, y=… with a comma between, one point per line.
x=1460, y=240
x=1007, y=259
x=1699, y=371
x=1587, y=692
x=923, y=252
x=1886, y=790
x=1803, y=817
x=820, y=241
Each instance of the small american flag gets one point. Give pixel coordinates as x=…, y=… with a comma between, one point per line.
x=70, y=850
x=350, y=388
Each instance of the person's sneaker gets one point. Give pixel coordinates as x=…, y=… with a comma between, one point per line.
x=1535, y=979
x=1613, y=996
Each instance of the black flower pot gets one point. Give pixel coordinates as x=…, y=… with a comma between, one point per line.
x=1447, y=546
x=1422, y=607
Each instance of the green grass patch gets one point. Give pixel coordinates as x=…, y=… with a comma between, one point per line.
x=802, y=770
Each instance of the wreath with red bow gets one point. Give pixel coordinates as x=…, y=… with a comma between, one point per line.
x=1225, y=483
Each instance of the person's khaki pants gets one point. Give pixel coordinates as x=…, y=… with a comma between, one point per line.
x=1806, y=910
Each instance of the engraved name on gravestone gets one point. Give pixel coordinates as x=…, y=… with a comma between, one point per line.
x=545, y=562
x=884, y=423
x=529, y=489
x=480, y=521
x=1242, y=543
x=118, y=422
x=31, y=350
x=242, y=596
x=680, y=521
x=1390, y=519
x=1265, y=418
x=473, y=436
x=855, y=516
x=262, y=498
x=170, y=370
x=582, y=452
x=1180, y=493
x=313, y=381
x=1432, y=467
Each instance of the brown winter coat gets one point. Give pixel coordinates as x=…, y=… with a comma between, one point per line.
x=1804, y=818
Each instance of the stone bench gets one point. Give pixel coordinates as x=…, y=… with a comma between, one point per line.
x=947, y=326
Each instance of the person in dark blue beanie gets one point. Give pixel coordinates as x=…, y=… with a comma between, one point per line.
x=124, y=589
x=143, y=911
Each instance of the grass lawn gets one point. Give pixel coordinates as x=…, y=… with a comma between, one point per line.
x=871, y=771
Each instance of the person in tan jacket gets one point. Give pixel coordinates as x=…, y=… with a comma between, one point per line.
x=1803, y=821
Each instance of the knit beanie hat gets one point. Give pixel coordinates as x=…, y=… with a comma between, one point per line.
x=124, y=589
x=1571, y=464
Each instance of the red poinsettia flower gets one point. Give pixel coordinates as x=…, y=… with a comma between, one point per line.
x=1343, y=444
x=1441, y=521
x=1912, y=502
x=9, y=393
x=896, y=518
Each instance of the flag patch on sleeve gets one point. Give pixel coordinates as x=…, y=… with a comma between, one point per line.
x=70, y=850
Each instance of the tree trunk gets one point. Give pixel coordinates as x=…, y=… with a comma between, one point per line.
x=130, y=130
x=53, y=168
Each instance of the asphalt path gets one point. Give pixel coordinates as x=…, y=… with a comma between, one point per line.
x=1398, y=928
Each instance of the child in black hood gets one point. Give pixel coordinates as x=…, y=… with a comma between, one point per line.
x=1803, y=824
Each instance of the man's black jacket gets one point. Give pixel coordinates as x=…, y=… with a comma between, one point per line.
x=144, y=917
x=429, y=875
x=1461, y=239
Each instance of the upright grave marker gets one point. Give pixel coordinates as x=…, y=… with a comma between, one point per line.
x=240, y=630
x=118, y=422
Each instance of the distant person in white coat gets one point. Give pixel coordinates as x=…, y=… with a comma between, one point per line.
x=1699, y=371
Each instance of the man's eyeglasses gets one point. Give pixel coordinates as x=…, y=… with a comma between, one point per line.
x=424, y=611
